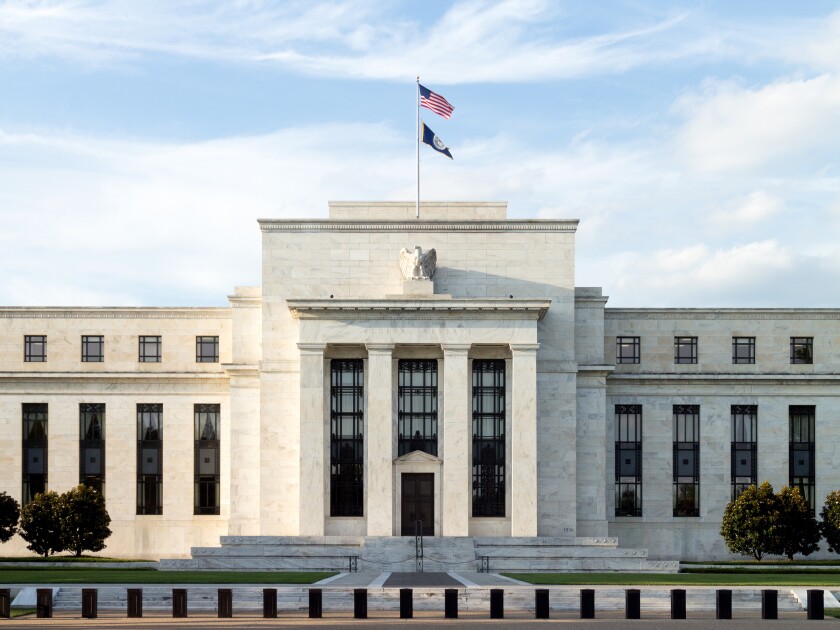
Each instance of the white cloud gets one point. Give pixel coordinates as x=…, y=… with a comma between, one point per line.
x=755, y=208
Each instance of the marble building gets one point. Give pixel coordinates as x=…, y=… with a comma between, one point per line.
x=392, y=370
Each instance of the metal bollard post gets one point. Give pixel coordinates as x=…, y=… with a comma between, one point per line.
x=269, y=603
x=541, y=604
x=632, y=604
x=406, y=603
x=677, y=603
x=360, y=603
x=43, y=607
x=816, y=604
x=89, y=603
x=587, y=603
x=5, y=603
x=179, y=602
x=770, y=604
x=225, y=603
x=135, y=602
x=450, y=601
x=723, y=604
x=316, y=603
x=497, y=603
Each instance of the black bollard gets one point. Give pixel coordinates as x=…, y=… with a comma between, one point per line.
x=816, y=604
x=316, y=603
x=225, y=603
x=43, y=606
x=269, y=603
x=360, y=603
x=497, y=603
x=587, y=603
x=450, y=603
x=5, y=603
x=135, y=602
x=677, y=603
x=89, y=603
x=179, y=602
x=769, y=604
x=723, y=604
x=406, y=603
x=632, y=604
x=541, y=604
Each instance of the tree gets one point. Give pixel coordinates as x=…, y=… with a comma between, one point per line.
x=797, y=531
x=830, y=525
x=749, y=522
x=84, y=520
x=40, y=524
x=9, y=515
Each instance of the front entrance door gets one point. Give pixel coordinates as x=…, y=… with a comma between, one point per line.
x=418, y=503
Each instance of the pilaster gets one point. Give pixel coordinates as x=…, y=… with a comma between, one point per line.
x=456, y=441
x=523, y=517
x=313, y=486
x=379, y=436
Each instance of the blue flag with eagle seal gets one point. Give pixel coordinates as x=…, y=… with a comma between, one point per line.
x=430, y=138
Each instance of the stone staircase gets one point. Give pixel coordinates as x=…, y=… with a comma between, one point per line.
x=397, y=553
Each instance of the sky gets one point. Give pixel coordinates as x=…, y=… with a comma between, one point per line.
x=697, y=142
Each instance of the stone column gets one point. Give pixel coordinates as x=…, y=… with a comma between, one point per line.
x=313, y=473
x=523, y=479
x=379, y=435
x=242, y=462
x=455, y=485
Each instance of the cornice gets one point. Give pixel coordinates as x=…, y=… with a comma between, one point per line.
x=467, y=308
x=325, y=225
x=723, y=313
x=106, y=312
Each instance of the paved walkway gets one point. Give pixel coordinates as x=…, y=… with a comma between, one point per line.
x=450, y=579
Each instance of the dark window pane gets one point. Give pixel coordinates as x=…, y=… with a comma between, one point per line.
x=346, y=437
x=207, y=349
x=35, y=348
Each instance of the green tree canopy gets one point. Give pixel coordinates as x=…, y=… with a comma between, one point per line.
x=830, y=525
x=84, y=520
x=40, y=524
x=9, y=515
x=797, y=530
x=749, y=522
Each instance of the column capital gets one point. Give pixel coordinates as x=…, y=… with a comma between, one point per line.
x=312, y=348
x=455, y=348
x=524, y=348
x=379, y=348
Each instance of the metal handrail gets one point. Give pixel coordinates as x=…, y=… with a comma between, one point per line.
x=418, y=546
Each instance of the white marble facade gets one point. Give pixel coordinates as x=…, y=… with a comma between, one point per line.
x=333, y=289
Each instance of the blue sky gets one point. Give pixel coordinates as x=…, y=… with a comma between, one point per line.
x=697, y=142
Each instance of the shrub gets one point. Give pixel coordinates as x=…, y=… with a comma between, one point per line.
x=830, y=525
x=84, y=520
x=40, y=524
x=797, y=531
x=9, y=515
x=749, y=522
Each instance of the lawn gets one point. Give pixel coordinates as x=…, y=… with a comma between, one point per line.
x=733, y=578
x=87, y=575
x=80, y=559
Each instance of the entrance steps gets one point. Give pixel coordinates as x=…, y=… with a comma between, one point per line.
x=440, y=554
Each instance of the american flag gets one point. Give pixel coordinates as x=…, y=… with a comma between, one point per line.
x=435, y=102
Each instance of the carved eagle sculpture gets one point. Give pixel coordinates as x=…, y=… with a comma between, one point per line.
x=416, y=265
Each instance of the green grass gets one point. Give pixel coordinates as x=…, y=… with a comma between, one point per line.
x=756, y=578
x=832, y=612
x=20, y=612
x=87, y=575
x=81, y=559
x=752, y=571
x=766, y=563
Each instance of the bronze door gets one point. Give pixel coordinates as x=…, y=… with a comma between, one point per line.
x=418, y=503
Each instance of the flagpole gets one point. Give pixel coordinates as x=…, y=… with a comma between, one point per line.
x=417, y=207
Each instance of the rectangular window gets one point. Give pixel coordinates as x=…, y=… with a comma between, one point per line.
x=801, y=349
x=92, y=446
x=686, y=460
x=93, y=348
x=685, y=349
x=149, y=349
x=207, y=471
x=744, y=461
x=627, y=350
x=488, y=429
x=417, y=406
x=150, y=459
x=628, y=460
x=347, y=453
x=35, y=348
x=743, y=350
x=34, y=450
x=206, y=349
x=801, y=461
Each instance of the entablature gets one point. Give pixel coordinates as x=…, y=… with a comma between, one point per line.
x=426, y=308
